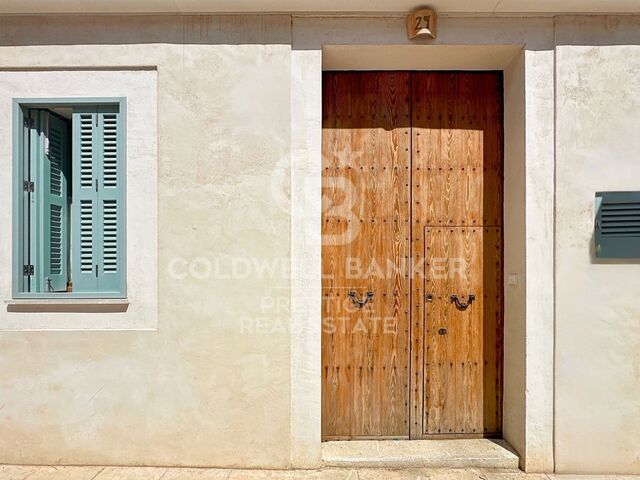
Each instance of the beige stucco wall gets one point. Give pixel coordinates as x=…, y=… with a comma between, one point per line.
x=229, y=373
x=597, y=411
x=209, y=386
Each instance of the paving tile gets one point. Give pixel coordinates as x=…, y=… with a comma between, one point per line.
x=333, y=474
x=454, y=474
x=196, y=474
x=516, y=475
x=396, y=474
x=262, y=474
x=418, y=474
x=325, y=474
x=65, y=473
x=11, y=472
x=345, y=474
x=16, y=472
x=131, y=473
x=445, y=474
x=564, y=476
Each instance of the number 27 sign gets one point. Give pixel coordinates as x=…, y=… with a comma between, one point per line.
x=421, y=23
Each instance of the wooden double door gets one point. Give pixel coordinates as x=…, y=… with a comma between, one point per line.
x=412, y=326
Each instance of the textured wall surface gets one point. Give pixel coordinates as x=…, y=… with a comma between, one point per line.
x=228, y=375
x=597, y=414
x=211, y=385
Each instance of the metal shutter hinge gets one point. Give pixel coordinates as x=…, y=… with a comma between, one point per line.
x=27, y=270
x=29, y=186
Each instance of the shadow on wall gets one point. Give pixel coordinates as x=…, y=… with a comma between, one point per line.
x=597, y=30
x=142, y=29
x=256, y=29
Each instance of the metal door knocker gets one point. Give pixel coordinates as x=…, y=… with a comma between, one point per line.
x=360, y=303
x=459, y=305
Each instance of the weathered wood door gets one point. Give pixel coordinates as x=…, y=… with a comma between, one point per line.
x=366, y=228
x=412, y=212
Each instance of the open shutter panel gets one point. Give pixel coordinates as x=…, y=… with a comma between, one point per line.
x=85, y=198
x=34, y=208
x=110, y=238
x=98, y=217
x=52, y=274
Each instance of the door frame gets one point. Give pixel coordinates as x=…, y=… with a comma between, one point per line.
x=529, y=205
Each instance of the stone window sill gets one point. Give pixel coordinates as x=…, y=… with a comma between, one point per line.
x=68, y=305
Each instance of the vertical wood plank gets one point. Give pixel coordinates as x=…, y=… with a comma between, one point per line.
x=365, y=248
x=457, y=217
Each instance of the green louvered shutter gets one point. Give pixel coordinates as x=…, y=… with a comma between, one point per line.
x=617, y=228
x=52, y=204
x=98, y=213
x=85, y=199
x=110, y=238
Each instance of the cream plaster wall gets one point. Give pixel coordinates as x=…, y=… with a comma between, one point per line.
x=223, y=382
x=230, y=375
x=514, y=404
x=539, y=294
x=306, y=260
x=597, y=413
x=211, y=385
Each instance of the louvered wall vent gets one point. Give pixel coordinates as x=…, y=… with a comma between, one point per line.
x=618, y=224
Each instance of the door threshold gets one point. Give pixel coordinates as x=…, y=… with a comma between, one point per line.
x=460, y=453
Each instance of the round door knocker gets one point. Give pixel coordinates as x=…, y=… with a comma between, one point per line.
x=360, y=303
x=459, y=305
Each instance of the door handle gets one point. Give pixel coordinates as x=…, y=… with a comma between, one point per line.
x=360, y=303
x=459, y=305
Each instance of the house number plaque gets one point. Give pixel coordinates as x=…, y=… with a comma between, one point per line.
x=421, y=23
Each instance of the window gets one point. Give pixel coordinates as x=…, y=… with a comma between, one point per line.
x=69, y=220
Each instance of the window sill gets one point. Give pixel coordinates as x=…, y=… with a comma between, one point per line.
x=68, y=305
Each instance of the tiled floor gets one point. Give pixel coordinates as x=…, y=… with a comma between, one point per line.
x=10, y=472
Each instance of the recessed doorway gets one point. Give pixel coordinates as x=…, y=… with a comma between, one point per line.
x=412, y=300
